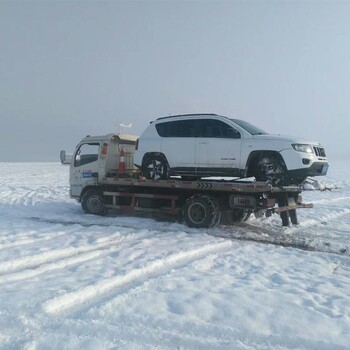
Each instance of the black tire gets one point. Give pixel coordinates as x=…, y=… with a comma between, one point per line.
x=92, y=203
x=234, y=216
x=269, y=168
x=201, y=211
x=248, y=215
x=155, y=167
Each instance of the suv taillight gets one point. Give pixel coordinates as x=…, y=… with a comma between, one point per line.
x=137, y=145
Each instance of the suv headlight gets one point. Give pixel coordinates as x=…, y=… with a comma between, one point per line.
x=302, y=148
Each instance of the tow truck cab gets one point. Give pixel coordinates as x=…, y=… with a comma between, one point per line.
x=98, y=157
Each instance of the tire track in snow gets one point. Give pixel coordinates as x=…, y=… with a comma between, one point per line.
x=332, y=215
x=28, y=241
x=151, y=270
x=200, y=335
x=331, y=200
x=292, y=237
x=60, y=265
x=106, y=245
x=29, y=196
x=34, y=261
x=263, y=228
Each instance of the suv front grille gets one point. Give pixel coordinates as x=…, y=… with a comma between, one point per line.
x=319, y=151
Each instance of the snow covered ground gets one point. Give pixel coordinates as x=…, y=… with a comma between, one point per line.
x=74, y=281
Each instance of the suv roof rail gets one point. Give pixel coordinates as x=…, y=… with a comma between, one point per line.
x=186, y=115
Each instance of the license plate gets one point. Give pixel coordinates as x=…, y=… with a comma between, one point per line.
x=324, y=169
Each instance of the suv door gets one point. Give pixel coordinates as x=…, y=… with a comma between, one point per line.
x=218, y=148
x=178, y=144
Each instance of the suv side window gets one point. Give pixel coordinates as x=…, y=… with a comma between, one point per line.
x=87, y=153
x=178, y=128
x=217, y=129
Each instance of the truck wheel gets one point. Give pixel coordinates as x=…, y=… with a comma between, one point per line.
x=92, y=203
x=270, y=168
x=201, y=211
x=155, y=167
x=231, y=217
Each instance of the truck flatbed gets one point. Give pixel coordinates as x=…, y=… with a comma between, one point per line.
x=207, y=184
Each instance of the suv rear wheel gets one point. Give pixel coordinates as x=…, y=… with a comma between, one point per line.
x=155, y=167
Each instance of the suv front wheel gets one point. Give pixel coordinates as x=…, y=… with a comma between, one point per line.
x=269, y=168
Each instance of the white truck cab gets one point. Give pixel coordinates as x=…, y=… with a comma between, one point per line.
x=96, y=157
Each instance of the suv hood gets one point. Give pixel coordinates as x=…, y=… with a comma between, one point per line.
x=284, y=138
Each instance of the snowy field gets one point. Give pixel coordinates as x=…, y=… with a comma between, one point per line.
x=75, y=281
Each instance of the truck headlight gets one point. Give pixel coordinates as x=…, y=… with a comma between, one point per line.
x=302, y=148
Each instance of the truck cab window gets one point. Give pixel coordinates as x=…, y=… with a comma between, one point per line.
x=86, y=153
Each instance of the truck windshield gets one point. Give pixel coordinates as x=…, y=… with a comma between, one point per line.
x=254, y=130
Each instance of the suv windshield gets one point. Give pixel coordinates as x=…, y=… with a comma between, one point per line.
x=254, y=130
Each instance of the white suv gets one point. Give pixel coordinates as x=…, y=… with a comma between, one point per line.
x=201, y=145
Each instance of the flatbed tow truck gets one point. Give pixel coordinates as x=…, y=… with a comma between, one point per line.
x=103, y=177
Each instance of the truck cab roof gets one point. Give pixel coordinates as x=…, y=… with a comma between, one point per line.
x=119, y=138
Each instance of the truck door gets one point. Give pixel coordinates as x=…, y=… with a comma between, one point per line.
x=83, y=167
x=218, y=148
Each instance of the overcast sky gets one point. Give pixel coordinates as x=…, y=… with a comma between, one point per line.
x=72, y=68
